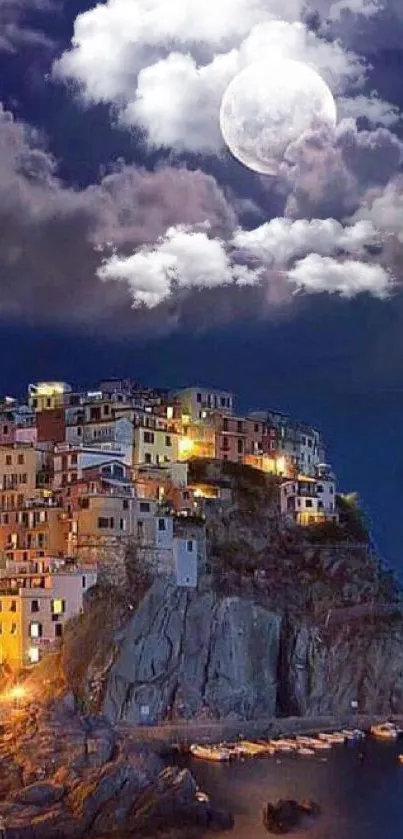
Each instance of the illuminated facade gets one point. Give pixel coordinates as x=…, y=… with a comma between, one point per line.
x=34, y=608
x=48, y=395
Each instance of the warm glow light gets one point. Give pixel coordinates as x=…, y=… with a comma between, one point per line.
x=280, y=464
x=17, y=692
x=185, y=446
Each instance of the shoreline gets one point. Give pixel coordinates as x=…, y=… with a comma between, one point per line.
x=179, y=735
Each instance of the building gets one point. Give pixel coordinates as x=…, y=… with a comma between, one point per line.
x=155, y=443
x=36, y=529
x=309, y=500
x=69, y=462
x=197, y=402
x=101, y=512
x=48, y=395
x=35, y=606
x=20, y=468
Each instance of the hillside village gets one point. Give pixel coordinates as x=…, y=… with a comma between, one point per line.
x=86, y=475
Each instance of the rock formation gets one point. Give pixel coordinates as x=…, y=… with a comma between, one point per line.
x=65, y=776
x=187, y=654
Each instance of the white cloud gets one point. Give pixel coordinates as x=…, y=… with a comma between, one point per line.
x=384, y=208
x=120, y=55
x=280, y=240
x=316, y=273
x=184, y=257
x=376, y=111
x=187, y=257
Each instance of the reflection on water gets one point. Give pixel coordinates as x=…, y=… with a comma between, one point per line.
x=361, y=799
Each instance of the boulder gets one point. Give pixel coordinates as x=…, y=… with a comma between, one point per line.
x=287, y=814
x=42, y=793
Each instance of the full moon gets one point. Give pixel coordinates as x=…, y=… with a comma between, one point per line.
x=269, y=105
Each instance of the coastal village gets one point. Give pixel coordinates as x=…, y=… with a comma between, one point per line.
x=85, y=473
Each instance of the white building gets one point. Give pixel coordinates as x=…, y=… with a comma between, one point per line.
x=309, y=500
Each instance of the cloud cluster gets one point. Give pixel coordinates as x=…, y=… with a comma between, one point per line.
x=142, y=59
x=314, y=256
x=50, y=233
x=15, y=32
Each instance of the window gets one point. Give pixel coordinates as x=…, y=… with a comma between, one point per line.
x=5, y=518
x=122, y=524
x=148, y=436
x=309, y=443
x=320, y=505
x=168, y=440
x=48, y=403
x=198, y=397
x=111, y=522
x=34, y=403
x=84, y=582
x=23, y=478
x=73, y=477
x=222, y=401
x=5, y=429
x=319, y=488
x=13, y=630
x=189, y=546
x=9, y=459
x=103, y=522
x=239, y=426
x=308, y=502
x=33, y=655
x=58, y=630
x=13, y=606
x=186, y=496
x=73, y=459
x=240, y=446
x=20, y=459
x=35, y=630
x=144, y=506
x=34, y=605
x=84, y=503
x=106, y=409
x=256, y=428
x=225, y=425
x=225, y=443
x=57, y=606
x=331, y=490
x=147, y=458
x=162, y=525
x=303, y=441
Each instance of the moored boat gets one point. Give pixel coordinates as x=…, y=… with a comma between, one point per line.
x=304, y=751
x=215, y=753
x=384, y=731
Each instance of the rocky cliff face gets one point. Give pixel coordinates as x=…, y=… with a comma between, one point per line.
x=253, y=641
x=323, y=670
x=187, y=654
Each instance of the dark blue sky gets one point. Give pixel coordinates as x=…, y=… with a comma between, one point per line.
x=336, y=363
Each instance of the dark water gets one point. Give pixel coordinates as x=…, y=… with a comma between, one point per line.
x=359, y=799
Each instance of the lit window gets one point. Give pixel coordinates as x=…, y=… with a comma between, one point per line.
x=35, y=630
x=13, y=630
x=57, y=607
x=33, y=655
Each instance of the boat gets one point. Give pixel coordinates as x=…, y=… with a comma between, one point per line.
x=384, y=731
x=305, y=751
x=216, y=753
x=321, y=745
x=252, y=749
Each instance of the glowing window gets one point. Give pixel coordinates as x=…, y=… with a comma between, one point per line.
x=57, y=607
x=35, y=630
x=33, y=655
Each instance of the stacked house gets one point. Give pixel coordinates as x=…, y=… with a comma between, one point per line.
x=86, y=473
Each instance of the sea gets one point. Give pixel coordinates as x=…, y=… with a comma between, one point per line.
x=360, y=798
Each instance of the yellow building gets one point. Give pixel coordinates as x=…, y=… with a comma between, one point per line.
x=155, y=446
x=34, y=608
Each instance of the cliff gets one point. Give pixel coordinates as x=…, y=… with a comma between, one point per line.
x=286, y=622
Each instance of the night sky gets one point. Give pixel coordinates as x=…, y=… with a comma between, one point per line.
x=105, y=195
